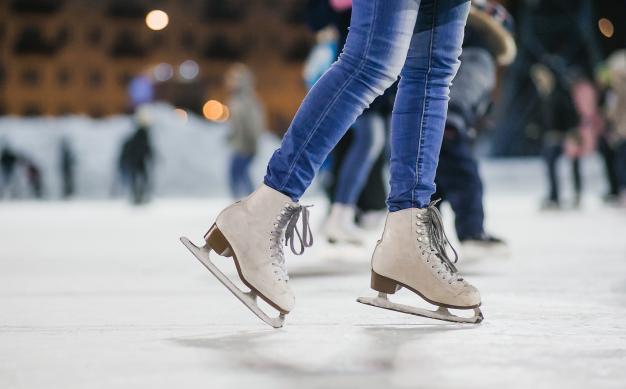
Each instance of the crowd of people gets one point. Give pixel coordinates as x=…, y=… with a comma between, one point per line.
x=22, y=178
x=580, y=100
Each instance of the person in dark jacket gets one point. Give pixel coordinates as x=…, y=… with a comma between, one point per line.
x=66, y=165
x=135, y=161
x=8, y=162
x=488, y=44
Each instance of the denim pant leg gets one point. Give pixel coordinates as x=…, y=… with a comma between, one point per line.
x=421, y=103
x=458, y=180
x=240, y=183
x=367, y=142
x=375, y=51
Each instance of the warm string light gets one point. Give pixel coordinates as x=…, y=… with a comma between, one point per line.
x=215, y=111
x=606, y=27
x=157, y=20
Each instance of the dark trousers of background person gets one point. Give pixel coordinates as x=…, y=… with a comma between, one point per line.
x=552, y=153
x=6, y=181
x=620, y=164
x=67, y=176
x=458, y=182
x=610, y=156
x=139, y=184
x=240, y=182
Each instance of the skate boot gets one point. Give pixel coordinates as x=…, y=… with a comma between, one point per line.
x=340, y=226
x=252, y=231
x=412, y=254
x=475, y=248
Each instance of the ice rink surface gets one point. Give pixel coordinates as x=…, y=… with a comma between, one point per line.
x=96, y=294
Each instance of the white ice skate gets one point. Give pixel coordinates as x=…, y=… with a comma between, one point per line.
x=412, y=254
x=252, y=232
x=340, y=226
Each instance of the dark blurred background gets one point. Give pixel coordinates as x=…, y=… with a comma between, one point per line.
x=100, y=60
x=64, y=57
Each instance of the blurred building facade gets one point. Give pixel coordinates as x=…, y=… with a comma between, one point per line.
x=62, y=57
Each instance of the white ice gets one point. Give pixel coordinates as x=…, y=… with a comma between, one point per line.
x=96, y=294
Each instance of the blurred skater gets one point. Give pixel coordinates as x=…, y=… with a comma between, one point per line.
x=135, y=161
x=488, y=43
x=66, y=167
x=247, y=123
x=33, y=177
x=353, y=158
x=8, y=164
x=557, y=45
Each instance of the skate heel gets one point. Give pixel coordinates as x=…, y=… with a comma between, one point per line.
x=217, y=242
x=383, y=284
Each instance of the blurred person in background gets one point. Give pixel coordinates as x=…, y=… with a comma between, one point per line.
x=33, y=177
x=247, y=123
x=66, y=167
x=136, y=159
x=556, y=37
x=488, y=44
x=8, y=165
x=616, y=114
x=352, y=159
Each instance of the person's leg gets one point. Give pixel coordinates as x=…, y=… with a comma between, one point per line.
x=233, y=176
x=608, y=155
x=373, y=56
x=578, y=180
x=375, y=51
x=368, y=135
x=421, y=103
x=367, y=142
x=458, y=177
x=552, y=153
x=412, y=251
x=246, y=181
x=620, y=163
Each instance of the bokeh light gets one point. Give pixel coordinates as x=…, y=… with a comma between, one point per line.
x=213, y=110
x=182, y=114
x=225, y=114
x=606, y=27
x=157, y=20
x=163, y=72
x=189, y=69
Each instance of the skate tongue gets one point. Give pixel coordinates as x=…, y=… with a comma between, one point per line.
x=306, y=237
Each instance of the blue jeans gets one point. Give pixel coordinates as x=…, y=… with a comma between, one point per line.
x=418, y=40
x=458, y=182
x=240, y=183
x=368, y=140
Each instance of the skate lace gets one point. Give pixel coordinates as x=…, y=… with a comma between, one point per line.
x=286, y=230
x=436, y=242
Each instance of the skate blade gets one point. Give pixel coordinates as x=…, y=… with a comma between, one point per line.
x=381, y=301
x=249, y=299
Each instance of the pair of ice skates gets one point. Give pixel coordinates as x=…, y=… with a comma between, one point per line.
x=411, y=254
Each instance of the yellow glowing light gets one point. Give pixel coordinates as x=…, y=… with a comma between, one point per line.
x=606, y=27
x=213, y=110
x=157, y=20
x=225, y=114
x=181, y=113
